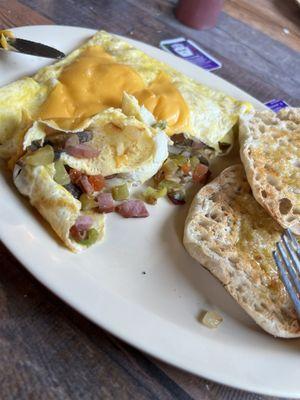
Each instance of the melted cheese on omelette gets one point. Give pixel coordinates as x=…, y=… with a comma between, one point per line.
x=97, y=75
x=95, y=81
x=200, y=112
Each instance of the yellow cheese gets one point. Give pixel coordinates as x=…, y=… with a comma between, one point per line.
x=95, y=81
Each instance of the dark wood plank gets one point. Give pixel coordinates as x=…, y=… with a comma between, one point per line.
x=199, y=388
x=278, y=19
x=14, y=13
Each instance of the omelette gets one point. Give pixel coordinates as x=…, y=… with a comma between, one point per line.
x=81, y=132
x=63, y=172
x=96, y=75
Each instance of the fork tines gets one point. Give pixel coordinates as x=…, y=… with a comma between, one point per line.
x=287, y=258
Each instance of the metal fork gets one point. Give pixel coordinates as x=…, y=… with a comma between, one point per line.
x=287, y=258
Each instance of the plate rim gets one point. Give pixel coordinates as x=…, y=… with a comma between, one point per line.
x=77, y=305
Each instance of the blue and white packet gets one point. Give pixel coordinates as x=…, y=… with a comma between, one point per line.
x=190, y=51
x=276, y=104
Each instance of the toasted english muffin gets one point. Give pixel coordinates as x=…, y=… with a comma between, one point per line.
x=232, y=236
x=270, y=152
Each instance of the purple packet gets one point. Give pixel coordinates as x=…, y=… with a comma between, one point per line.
x=276, y=104
x=188, y=50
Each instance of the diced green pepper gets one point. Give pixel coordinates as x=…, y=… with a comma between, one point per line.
x=87, y=202
x=61, y=176
x=162, y=124
x=42, y=156
x=151, y=195
x=120, y=192
x=92, y=237
x=180, y=160
x=170, y=168
x=169, y=185
x=194, y=161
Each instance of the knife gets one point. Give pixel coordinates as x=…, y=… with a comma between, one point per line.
x=33, y=48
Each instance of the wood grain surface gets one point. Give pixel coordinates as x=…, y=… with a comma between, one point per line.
x=277, y=18
x=49, y=351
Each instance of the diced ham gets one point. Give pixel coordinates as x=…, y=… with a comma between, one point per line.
x=200, y=173
x=79, y=230
x=86, y=185
x=76, y=234
x=72, y=140
x=82, y=150
x=132, y=209
x=84, y=222
x=89, y=184
x=97, y=181
x=75, y=175
x=178, y=138
x=198, y=145
x=105, y=202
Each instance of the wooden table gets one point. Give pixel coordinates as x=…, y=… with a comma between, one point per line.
x=49, y=351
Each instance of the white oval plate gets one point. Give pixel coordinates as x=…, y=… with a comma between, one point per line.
x=140, y=284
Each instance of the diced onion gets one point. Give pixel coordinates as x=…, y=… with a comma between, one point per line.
x=61, y=176
x=151, y=195
x=42, y=156
x=212, y=319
